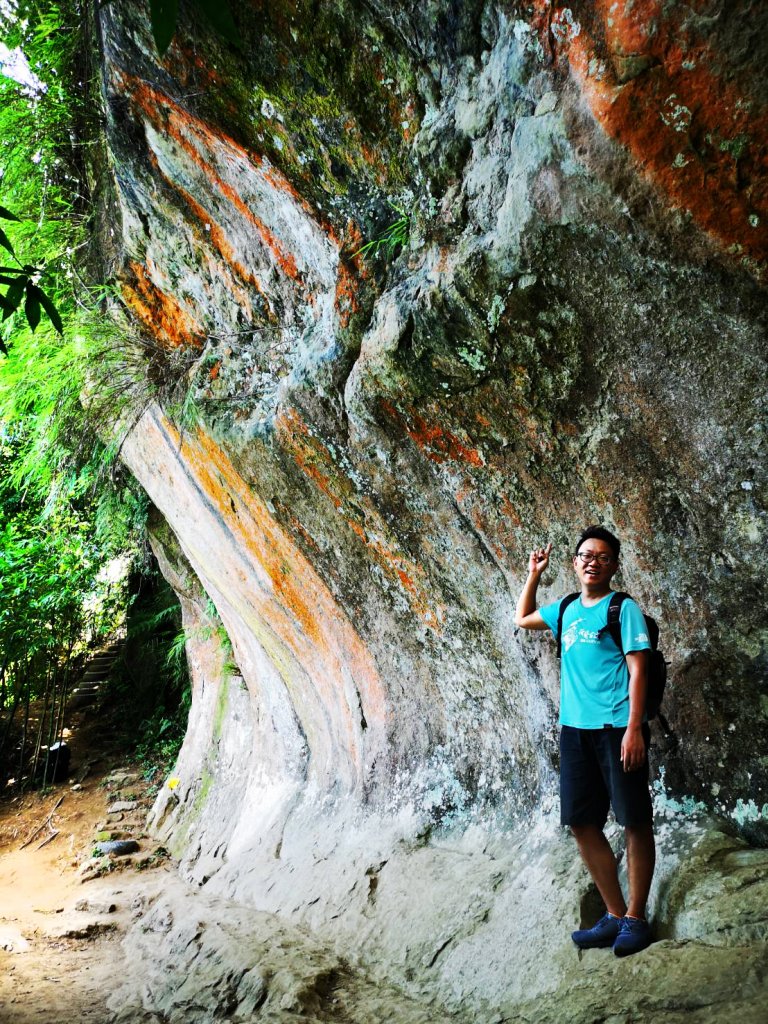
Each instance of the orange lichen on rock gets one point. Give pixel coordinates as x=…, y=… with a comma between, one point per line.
x=509, y=512
x=346, y=300
x=375, y=160
x=437, y=444
x=656, y=83
x=488, y=523
x=311, y=456
x=315, y=460
x=164, y=318
x=218, y=238
x=198, y=141
x=280, y=586
x=188, y=67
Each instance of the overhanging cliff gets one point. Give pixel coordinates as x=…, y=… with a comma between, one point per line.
x=573, y=330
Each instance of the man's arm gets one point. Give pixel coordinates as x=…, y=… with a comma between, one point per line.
x=526, y=615
x=633, y=751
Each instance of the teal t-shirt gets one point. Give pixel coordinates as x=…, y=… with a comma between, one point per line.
x=594, y=679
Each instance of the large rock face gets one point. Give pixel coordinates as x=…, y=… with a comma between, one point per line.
x=572, y=331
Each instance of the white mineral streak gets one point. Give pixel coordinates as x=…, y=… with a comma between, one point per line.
x=310, y=690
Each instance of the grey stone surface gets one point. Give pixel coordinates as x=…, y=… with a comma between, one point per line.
x=572, y=332
x=469, y=929
x=117, y=847
x=91, y=906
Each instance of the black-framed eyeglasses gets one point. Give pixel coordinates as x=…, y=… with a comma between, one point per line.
x=591, y=556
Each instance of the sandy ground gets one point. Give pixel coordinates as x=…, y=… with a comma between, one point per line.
x=60, y=952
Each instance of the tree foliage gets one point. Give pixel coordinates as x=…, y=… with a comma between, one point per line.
x=67, y=511
x=22, y=283
x=55, y=598
x=46, y=113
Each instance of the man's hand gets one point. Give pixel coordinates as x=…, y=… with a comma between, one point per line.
x=633, y=749
x=539, y=560
x=526, y=614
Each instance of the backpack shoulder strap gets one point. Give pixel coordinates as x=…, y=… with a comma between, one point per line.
x=613, y=625
x=563, y=605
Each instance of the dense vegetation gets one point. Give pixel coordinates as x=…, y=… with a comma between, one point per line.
x=72, y=523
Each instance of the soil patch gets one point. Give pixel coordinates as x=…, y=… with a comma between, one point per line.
x=63, y=911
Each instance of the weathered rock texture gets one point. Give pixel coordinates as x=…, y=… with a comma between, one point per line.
x=573, y=331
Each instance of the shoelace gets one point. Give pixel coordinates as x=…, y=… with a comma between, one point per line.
x=607, y=921
x=630, y=924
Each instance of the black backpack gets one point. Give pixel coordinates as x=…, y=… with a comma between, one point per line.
x=657, y=666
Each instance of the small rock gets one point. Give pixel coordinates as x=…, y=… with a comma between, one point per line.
x=87, y=931
x=12, y=941
x=76, y=788
x=122, y=779
x=546, y=104
x=92, y=868
x=118, y=847
x=147, y=860
x=116, y=817
x=95, y=906
x=122, y=805
x=103, y=836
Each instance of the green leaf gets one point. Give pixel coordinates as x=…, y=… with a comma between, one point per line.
x=6, y=305
x=163, y=15
x=6, y=242
x=50, y=309
x=219, y=15
x=10, y=280
x=7, y=215
x=32, y=306
x=14, y=296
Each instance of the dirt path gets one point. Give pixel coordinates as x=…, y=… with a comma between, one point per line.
x=63, y=912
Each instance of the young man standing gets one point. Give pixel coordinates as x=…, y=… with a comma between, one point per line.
x=604, y=737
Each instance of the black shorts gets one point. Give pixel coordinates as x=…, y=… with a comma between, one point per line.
x=592, y=778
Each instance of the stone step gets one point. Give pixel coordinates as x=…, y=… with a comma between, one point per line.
x=81, y=700
x=94, y=677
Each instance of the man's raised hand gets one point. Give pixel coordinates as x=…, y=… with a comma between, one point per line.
x=539, y=560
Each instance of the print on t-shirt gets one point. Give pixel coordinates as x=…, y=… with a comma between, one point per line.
x=571, y=634
x=594, y=688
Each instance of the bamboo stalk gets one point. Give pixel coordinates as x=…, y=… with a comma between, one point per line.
x=41, y=723
x=9, y=723
x=27, y=686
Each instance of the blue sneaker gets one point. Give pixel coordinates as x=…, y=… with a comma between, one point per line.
x=600, y=935
x=634, y=935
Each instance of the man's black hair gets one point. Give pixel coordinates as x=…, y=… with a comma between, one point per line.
x=600, y=533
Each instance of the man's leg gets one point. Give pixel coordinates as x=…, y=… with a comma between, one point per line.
x=600, y=861
x=641, y=860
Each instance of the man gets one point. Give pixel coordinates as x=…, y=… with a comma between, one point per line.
x=604, y=737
